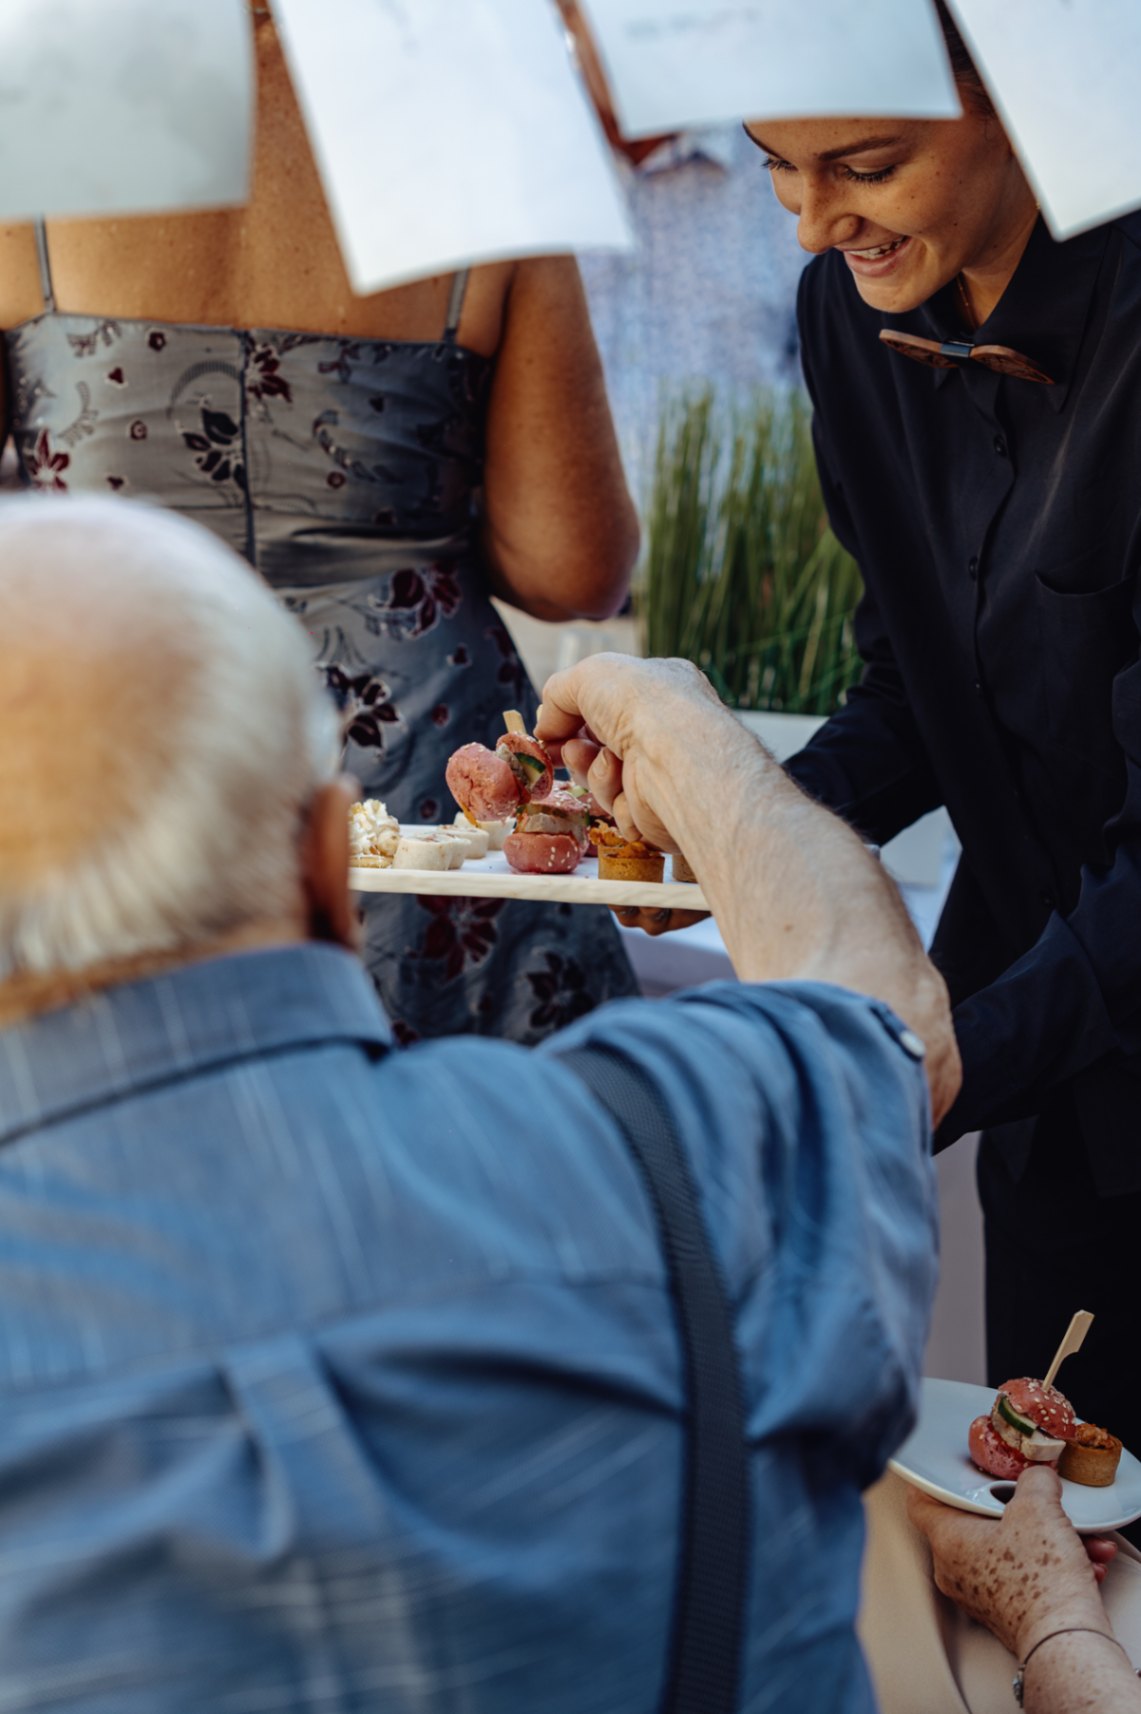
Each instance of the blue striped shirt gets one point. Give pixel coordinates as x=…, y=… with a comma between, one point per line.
x=336, y=1378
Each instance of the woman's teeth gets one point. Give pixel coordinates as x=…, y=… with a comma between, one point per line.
x=880, y=250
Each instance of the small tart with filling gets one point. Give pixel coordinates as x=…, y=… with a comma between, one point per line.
x=1091, y=1457
x=625, y=859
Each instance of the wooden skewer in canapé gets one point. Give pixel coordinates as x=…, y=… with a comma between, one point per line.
x=1072, y=1342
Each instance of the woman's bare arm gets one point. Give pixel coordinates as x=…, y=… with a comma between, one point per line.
x=12, y=310
x=20, y=299
x=561, y=532
x=1029, y=1579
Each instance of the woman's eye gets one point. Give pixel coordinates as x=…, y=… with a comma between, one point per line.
x=868, y=178
x=778, y=166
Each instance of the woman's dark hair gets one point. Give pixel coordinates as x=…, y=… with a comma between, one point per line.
x=963, y=66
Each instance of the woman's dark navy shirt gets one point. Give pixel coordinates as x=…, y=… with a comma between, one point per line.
x=997, y=523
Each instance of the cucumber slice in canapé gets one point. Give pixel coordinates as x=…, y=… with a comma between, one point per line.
x=1023, y=1434
x=1003, y=1408
x=526, y=768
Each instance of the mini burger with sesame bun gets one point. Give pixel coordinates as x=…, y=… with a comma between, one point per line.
x=1029, y=1423
x=550, y=836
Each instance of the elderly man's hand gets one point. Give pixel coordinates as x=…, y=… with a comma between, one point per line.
x=589, y=761
x=618, y=690
x=1022, y=1575
x=615, y=718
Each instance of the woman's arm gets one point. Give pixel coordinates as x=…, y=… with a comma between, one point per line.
x=868, y=763
x=5, y=417
x=1075, y=995
x=20, y=298
x=1027, y=1577
x=560, y=532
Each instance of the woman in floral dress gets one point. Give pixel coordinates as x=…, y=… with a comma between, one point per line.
x=387, y=464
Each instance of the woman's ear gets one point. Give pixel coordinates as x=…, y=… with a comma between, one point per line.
x=325, y=865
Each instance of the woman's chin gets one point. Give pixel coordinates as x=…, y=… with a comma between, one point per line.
x=892, y=297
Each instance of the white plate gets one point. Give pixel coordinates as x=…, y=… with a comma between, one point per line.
x=934, y=1458
x=491, y=877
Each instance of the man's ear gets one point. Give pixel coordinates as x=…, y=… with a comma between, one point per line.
x=325, y=865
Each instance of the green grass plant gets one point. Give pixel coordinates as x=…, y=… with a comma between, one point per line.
x=742, y=574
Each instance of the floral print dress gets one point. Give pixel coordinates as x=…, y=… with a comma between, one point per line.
x=347, y=472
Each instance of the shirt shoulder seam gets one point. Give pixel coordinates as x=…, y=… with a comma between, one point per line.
x=212, y=1353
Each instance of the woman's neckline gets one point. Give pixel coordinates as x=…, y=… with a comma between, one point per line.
x=219, y=327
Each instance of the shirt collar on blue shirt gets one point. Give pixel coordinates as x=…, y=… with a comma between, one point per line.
x=174, y=1026
x=1043, y=311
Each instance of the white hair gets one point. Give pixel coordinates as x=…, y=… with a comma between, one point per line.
x=216, y=787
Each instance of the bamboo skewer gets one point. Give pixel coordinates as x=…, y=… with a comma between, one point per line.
x=514, y=721
x=1072, y=1343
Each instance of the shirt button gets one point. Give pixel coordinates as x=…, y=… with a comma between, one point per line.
x=912, y=1044
x=1048, y=901
x=973, y=567
x=978, y=688
x=1000, y=446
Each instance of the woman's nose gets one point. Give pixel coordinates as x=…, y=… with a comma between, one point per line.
x=822, y=220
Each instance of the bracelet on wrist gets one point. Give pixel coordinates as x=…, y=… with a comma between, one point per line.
x=1018, y=1682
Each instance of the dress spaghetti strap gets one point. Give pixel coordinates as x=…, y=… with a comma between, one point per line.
x=456, y=304
x=46, y=286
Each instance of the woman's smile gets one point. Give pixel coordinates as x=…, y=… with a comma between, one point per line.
x=877, y=260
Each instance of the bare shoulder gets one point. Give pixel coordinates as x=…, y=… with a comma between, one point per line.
x=20, y=293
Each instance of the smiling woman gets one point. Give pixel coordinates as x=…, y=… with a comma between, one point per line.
x=989, y=494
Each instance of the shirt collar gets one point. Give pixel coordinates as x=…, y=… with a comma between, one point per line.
x=713, y=143
x=1043, y=311
x=175, y=1026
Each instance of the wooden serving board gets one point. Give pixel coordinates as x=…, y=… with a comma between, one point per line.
x=491, y=877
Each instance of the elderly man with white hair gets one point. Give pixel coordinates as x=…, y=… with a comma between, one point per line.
x=335, y=1377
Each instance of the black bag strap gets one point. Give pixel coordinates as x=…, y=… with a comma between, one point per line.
x=705, y=1649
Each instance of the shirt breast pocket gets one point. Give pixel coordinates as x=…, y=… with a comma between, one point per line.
x=1086, y=636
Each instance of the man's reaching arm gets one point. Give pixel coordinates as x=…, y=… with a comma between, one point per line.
x=795, y=894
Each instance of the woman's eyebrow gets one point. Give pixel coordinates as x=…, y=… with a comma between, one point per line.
x=865, y=146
